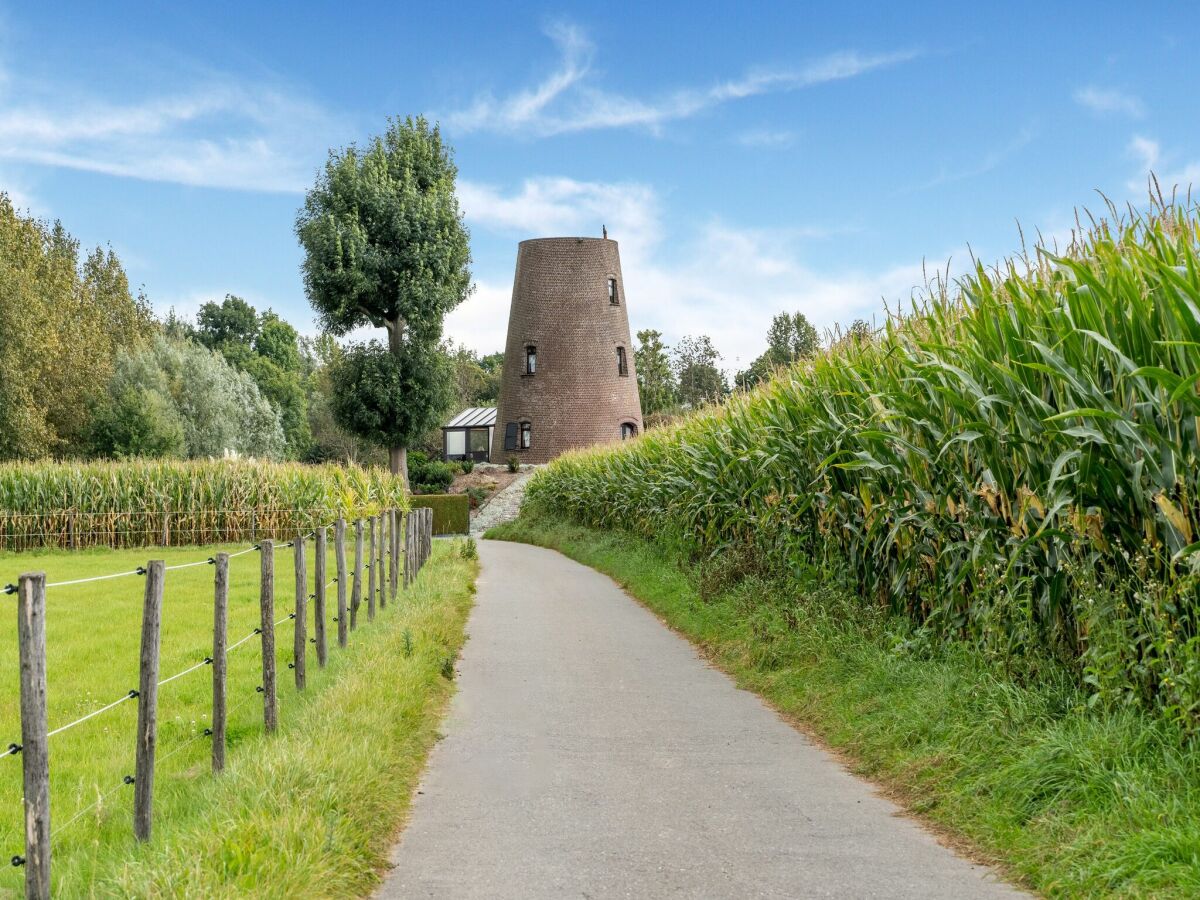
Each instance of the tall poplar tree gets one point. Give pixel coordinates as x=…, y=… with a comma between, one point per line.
x=385, y=247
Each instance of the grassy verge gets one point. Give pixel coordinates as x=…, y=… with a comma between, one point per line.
x=1070, y=800
x=311, y=811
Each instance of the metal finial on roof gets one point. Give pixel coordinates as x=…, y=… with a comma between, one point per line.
x=604, y=229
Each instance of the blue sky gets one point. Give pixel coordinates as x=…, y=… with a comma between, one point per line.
x=749, y=158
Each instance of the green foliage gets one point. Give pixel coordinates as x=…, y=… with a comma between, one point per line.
x=451, y=512
x=126, y=503
x=385, y=246
x=477, y=495
x=186, y=386
x=138, y=421
x=268, y=349
x=514, y=464
x=699, y=379
x=388, y=398
x=63, y=320
x=656, y=380
x=980, y=467
x=789, y=339
x=429, y=476
x=467, y=466
x=469, y=549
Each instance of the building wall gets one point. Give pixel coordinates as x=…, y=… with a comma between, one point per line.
x=560, y=305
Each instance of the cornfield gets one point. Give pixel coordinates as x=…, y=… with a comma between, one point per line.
x=1013, y=463
x=138, y=503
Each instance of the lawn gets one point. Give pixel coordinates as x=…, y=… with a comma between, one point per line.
x=1069, y=798
x=93, y=635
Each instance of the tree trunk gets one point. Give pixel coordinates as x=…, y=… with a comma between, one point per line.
x=397, y=456
x=398, y=459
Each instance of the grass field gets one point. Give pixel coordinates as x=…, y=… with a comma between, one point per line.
x=93, y=634
x=1072, y=799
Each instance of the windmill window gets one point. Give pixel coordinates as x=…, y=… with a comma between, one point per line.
x=622, y=365
x=628, y=430
x=531, y=360
x=613, y=297
x=510, y=436
x=526, y=435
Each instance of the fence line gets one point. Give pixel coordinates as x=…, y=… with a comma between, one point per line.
x=401, y=545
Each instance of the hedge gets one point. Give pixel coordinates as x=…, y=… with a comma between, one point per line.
x=451, y=512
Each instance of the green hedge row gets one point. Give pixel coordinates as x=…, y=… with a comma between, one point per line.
x=451, y=512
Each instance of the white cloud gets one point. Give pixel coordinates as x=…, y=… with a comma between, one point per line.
x=564, y=102
x=1108, y=101
x=766, y=137
x=216, y=133
x=1172, y=177
x=990, y=160
x=722, y=281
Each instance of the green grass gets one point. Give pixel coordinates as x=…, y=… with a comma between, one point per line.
x=1072, y=800
x=309, y=811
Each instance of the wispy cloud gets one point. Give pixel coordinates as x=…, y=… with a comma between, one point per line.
x=993, y=159
x=1172, y=175
x=216, y=133
x=1108, y=101
x=766, y=137
x=564, y=101
x=720, y=280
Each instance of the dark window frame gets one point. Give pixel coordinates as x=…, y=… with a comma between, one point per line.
x=629, y=430
x=526, y=438
x=614, y=292
x=531, y=355
x=622, y=362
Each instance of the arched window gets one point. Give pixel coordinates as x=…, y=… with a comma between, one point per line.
x=613, y=297
x=530, y=360
x=526, y=435
x=628, y=430
x=622, y=365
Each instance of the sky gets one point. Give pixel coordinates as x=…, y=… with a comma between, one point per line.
x=748, y=158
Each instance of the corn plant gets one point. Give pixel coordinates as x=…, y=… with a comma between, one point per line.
x=1019, y=445
x=139, y=502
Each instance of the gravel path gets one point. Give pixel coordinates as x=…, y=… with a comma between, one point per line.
x=590, y=752
x=503, y=507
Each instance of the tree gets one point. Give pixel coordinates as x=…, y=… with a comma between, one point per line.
x=375, y=395
x=216, y=407
x=790, y=338
x=700, y=380
x=331, y=441
x=385, y=246
x=233, y=321
x=656, y=381
x=63, y=321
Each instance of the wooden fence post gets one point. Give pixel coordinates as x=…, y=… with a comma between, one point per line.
x=382, y=581
x=371, y=567
x=407, y=573
x=356, y=594
x=393, y=549
x=71, y=530
x=220, y=633
x=319, y=596
x=147, y=726
x=266, y=604
x=35, y=755
x=300, y=616
x=339, y=537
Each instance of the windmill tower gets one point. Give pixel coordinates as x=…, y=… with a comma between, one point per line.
x=568, y=378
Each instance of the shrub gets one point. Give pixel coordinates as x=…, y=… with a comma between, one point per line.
x=467, y=466
x=477, y=495
x=982, y=466
x=514, y=464
x=429, y=476
x=469, y=549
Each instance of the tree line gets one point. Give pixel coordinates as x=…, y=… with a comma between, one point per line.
x=675, y=379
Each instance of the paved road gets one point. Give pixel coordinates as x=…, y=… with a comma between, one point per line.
x=591, y=753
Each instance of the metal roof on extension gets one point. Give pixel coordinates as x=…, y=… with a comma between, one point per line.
x=474, y=417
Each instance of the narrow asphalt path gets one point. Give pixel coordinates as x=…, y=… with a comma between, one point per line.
x=590, y=752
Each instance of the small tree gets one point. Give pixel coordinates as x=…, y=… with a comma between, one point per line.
x=700, y=381
x=385, y=246
x=656, y=381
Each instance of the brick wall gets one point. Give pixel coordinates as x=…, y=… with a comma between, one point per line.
x=560, y=305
